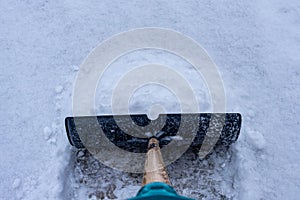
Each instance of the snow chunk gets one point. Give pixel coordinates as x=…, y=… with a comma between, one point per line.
x=59, y=89
x=80, y=154
x=47, y=133
x=257, y=139
x=148, y=134
x=177, y=137
x=16, y=184
x=75, y=68
x=251, y=113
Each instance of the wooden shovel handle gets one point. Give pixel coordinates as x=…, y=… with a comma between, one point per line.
x=154, y=165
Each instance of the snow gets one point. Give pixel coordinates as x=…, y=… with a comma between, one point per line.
x=59, y=89
x=255, y=45
x=256, y=139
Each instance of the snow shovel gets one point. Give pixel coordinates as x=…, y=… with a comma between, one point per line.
x=207, y=130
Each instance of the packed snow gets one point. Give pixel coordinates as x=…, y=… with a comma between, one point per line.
x=255, y=44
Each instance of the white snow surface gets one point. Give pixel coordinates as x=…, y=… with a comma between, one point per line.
x=255, y=44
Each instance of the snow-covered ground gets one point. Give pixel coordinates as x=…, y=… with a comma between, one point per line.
x=256, y=46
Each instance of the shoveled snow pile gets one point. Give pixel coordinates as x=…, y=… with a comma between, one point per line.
x=255, y=45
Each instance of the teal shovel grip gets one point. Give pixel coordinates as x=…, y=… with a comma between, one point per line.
x=158, y=191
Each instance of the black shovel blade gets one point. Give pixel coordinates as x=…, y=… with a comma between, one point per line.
x=131, y=132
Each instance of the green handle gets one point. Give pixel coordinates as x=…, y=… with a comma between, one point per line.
x=157, y=191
